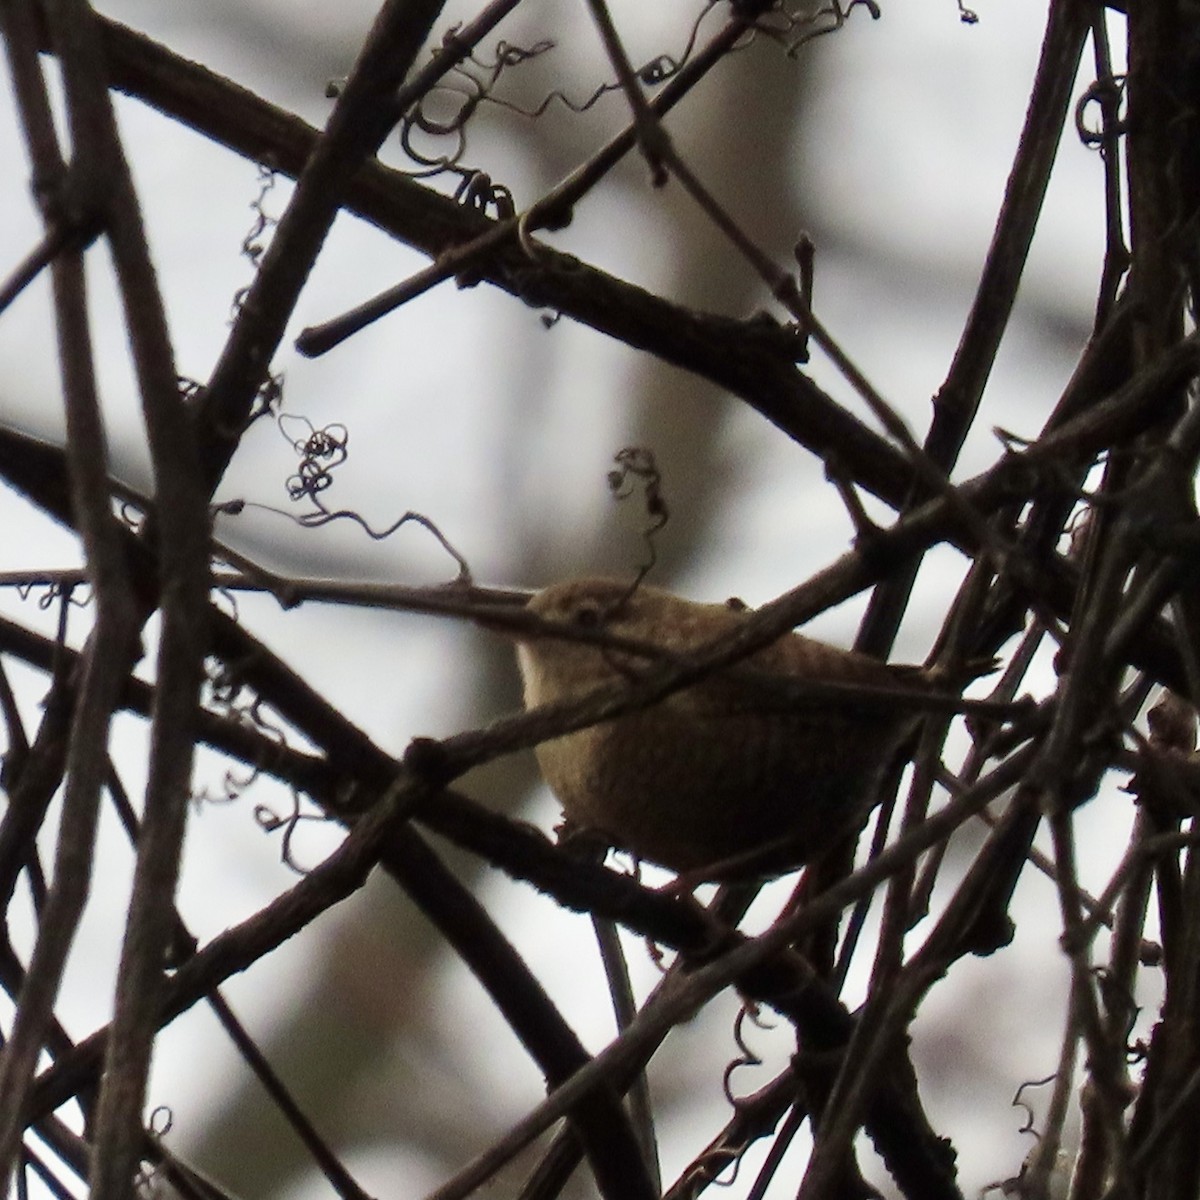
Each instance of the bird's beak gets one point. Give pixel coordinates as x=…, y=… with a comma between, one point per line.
x=510, y=621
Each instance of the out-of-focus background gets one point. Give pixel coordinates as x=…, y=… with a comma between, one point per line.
x=888, y=141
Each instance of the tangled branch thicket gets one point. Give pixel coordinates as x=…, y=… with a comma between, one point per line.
x=1079, y=543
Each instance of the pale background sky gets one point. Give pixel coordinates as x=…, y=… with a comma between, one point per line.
x=464, y=408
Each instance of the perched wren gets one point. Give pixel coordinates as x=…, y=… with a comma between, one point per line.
x=729, y=776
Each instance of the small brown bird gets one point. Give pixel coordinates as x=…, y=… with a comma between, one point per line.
x=730, y=776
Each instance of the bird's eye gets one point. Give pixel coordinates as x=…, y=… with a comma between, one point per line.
x=588, y=616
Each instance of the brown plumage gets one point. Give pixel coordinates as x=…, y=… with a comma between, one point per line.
x=728, y=776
